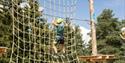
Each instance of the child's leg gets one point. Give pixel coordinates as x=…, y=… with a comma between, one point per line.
x=54, y=47
x=62, y=46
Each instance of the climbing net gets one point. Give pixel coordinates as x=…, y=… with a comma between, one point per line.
x=33, y=32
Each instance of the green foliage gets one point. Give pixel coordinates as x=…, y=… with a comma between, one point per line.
x=108, y=39
x=38, y=35
x=35, y=31
x=5, y=30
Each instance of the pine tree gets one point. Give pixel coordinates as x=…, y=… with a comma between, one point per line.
x=108, y=39
x=5, y=29
x=31, y=32
x=30, y=28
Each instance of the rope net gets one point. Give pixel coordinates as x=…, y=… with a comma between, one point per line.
x=33, y=32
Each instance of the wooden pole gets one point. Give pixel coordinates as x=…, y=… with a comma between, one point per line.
x=93, y=29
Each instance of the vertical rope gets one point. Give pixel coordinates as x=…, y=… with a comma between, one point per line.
x=34, y=32
x=18, y=36
x=30, y=39
x=49, y=37
x=44, y=33
x=23, y=38
x=40, y=40
x=60, y=8
x=13, y=33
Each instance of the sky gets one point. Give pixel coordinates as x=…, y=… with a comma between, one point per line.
x=82, y=9
x=118, y=7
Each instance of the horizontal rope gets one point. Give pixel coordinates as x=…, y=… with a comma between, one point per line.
x=56, y=4
x=40, y=43
x=32, y=36
x=51, y=16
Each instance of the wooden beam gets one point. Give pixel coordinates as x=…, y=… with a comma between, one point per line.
x=97, y=58
x=3, y=50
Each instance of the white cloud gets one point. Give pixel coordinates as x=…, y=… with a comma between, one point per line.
x=41, y=9
x=85, y=37
x=24, y=4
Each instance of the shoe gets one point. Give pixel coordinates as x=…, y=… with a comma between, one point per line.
x=55, y=56
x=63, y=50
x=62, y=56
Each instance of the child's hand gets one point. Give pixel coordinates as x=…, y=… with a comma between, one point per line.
x=65, y=24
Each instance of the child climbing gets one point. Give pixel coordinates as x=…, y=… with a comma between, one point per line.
x=59, y=30
x=123, y=33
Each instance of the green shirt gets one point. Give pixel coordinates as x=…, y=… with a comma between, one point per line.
x=59, y=30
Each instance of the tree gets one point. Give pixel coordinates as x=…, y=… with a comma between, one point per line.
x=32, y=34
x=5, y=29
x=108, y=39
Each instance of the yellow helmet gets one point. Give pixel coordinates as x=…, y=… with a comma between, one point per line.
x=59, y=20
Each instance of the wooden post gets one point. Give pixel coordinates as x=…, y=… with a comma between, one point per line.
x=93, y=29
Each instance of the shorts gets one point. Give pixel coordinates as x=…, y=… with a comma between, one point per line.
x=60, y=39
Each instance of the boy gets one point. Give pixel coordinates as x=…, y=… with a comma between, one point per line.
x=59, y=30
